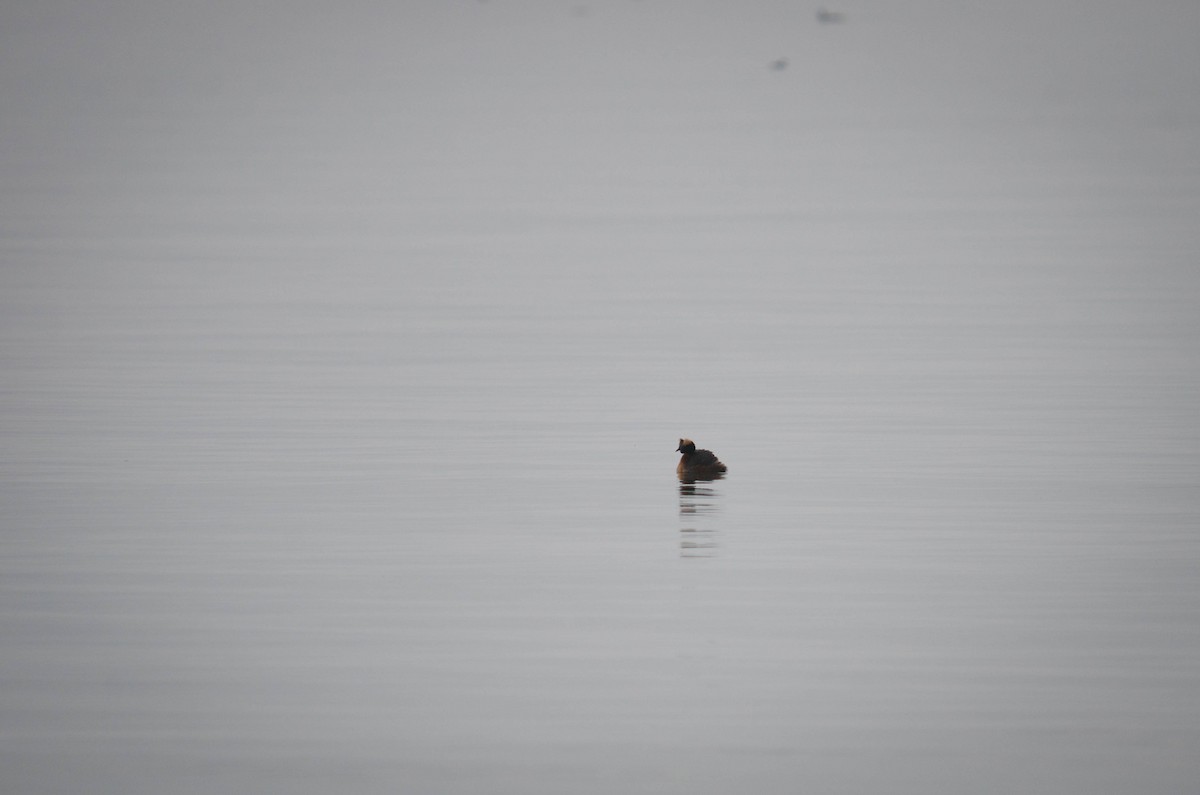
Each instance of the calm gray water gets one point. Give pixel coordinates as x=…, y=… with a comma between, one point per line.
x=343, y=352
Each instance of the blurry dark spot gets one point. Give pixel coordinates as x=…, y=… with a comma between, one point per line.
x=830, y=17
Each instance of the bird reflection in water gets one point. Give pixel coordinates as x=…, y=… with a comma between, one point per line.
x=697, y=504
x=698, y=508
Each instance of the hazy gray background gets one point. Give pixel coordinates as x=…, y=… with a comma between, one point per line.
x=344, y=347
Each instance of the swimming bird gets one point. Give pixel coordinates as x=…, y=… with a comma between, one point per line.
x=698, y=464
